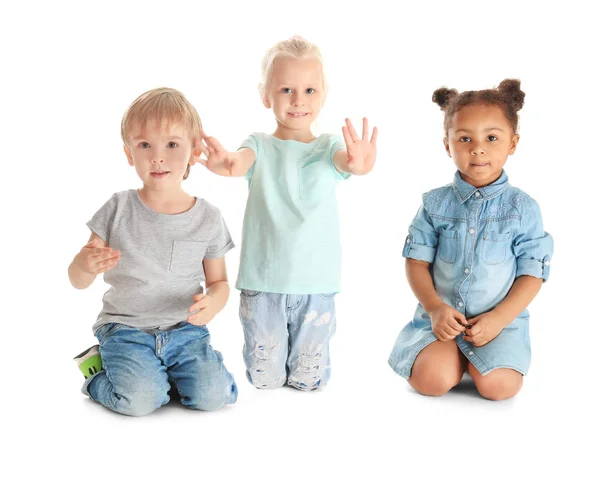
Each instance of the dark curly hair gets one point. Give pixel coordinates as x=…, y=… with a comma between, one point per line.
x=508, y=96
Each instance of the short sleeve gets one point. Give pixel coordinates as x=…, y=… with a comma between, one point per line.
x=251, y=143
x=102, y=221
x=220, y=242
x=421, y=242
x=337, y=144
x=532, y=246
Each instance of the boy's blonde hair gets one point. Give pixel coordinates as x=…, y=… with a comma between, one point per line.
x=296, y=47
x=159, y=105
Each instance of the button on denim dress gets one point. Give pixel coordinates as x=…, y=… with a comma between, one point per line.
x=478, y=241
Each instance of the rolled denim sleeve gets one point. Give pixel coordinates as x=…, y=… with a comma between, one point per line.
x=533, y=247
x=421, y=242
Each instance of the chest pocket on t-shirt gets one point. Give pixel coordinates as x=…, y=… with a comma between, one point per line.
x=186, y=258
x=314, y=180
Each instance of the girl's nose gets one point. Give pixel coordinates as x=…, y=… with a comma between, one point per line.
x=477, y=150
x=297, y=100
x=157, y=160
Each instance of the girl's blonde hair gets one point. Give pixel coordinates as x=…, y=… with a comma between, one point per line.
x=160, y=105
x=296, y=47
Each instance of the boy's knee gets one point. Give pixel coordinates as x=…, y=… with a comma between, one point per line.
x=140, y=403
x=213, y=398
x=306, y=372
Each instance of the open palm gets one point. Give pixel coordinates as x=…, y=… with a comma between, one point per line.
x=361, y=152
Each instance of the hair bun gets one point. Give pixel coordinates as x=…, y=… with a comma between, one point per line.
x=511, y=91
x=443, y=96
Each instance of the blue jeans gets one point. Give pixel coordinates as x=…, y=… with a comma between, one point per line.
x=286, y=338
x=139, y=368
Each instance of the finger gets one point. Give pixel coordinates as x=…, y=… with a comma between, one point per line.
x=347, y=137
x=351, y=130
x=199, y=296
x=462, y=319
x=108, y=267
x=474, y=330
x=109, y=255
x=468, y=338
x=374, y=137
x=365, y=135
x=456, y=326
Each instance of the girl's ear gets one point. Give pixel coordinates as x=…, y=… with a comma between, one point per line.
x=128, y=154
x=447, y=146
x=266, y=102
x=513, y=144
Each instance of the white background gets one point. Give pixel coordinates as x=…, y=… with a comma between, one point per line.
x=70, y=69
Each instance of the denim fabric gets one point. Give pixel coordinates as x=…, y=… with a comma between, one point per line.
x=478, y=241
x=140, y=367
x=286, y=338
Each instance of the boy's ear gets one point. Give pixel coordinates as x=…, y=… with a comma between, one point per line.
x=447, y=146
x=513, y=144
x=128, y=154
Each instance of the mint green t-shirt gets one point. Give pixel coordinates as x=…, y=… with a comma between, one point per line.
x=291, y=235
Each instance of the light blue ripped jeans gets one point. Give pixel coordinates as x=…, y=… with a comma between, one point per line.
x=286, y=338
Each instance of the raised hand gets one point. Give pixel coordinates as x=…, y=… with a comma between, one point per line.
x=95, y=259
x=361, y=152
x=447, y=323
x=218, y=160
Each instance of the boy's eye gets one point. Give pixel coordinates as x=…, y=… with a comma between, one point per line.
x=465, y=139
x=310, y=90
x=144, y=145
x=492, y=138
x=172, y=145
x=286, y=90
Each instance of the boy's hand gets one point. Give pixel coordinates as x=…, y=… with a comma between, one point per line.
x=93, y=259
x=361, y=152
x=203, y=310
x=217, y=158
x=447, y=323
x=484, y=328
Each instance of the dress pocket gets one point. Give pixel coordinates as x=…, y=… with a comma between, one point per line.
x=495, y=246
x=447, y=245
x=186, y=258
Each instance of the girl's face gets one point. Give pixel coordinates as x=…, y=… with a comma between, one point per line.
x=479, y=141
x=296, y=96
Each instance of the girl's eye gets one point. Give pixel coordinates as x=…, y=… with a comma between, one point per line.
x=286, y=90
x=465, y=139
x=492, y=138
x=144, y=145
x=310, y=90
x=172, y=145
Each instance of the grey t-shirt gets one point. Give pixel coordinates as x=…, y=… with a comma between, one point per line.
x=160, y=269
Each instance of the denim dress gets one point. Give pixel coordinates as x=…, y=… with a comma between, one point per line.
x=478, y=241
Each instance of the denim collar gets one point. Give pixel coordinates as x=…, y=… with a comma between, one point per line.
x=464, y=190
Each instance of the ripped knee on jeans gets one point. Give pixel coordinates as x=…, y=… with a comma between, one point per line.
x=263, y=371
x=307, y=370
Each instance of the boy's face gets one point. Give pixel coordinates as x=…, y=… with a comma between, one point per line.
x=296, y=92
x=160, y=153
x=479, y=141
